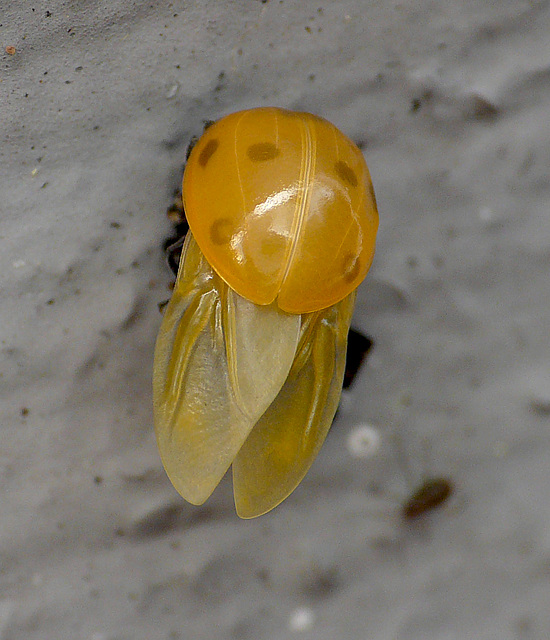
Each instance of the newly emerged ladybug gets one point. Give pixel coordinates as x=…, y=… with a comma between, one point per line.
x=250, y=356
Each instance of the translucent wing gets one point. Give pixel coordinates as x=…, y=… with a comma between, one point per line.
x=220, y=361
x=282, y=446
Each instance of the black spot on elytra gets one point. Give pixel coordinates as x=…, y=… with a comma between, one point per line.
x=346, y=173
x=208, y=151
x=221, y=231
x=206, y=125
x=262, y=151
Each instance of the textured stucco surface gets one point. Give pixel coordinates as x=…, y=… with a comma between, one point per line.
x=450, y=100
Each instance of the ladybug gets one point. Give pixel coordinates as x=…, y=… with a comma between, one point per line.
x=251, y=352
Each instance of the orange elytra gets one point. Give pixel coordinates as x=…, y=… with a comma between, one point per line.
x=282, y=206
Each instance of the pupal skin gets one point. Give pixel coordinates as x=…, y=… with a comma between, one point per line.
x=251, y=353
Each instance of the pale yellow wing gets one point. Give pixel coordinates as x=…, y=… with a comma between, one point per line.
x=220, y=360
x=282, y=446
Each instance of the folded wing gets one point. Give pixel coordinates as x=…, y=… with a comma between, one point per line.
x=282, y=446
x=220, y=361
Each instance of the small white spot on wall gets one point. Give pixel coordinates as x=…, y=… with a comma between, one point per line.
x=301, y=619
x=363, y=441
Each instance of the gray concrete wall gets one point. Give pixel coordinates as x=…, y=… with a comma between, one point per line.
x=450, y=103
